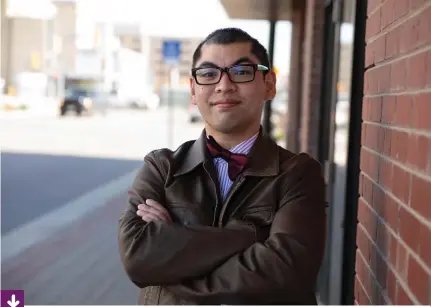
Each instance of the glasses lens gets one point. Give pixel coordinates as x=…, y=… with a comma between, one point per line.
x=207, y=75
x=241, y=73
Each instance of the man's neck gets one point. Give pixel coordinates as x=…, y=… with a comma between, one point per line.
x=228, y=141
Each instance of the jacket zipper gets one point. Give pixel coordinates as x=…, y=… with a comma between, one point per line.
x=216, y=194
x=237, y=183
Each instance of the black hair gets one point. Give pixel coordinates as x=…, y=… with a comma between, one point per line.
x=233, y=35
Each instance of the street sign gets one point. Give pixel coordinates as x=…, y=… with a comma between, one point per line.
x=171, y=52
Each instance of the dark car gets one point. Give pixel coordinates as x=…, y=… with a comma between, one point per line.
x=83, y=101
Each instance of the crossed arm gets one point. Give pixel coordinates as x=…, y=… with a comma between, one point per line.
x=228, y=264
x=156, y=252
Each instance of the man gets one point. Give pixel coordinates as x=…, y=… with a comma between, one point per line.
x=230, y=218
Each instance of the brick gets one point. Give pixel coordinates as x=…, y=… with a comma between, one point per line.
x=401, y=186
x=421, y=197
x=376, y=109
x=415, y=4
x=398, y=75
x=398, y=146
x=416, y=71
x=366, y=116
x=428, y=64
x=367, y=190
x=402, y=297
x=416, y=30
x=379, y=49
x=388, y=109
x=393, y=250
x=401, y=8
x=409, y=229
x=419, y=152
x=385, y=172
x=391, y=212
x=384, y=79
x=422, y=111
x=367, y=219
x=369, y=55
x=387, y=143
x=391, y=286
x=418, y=281
x=387, y=14
x=392, y=44
x=404, y=38
x=425, y=245
x=371, y=139
x=404, y=105
x=398, y=257
x=382, y=240
x=371, y=79
x=373, y=25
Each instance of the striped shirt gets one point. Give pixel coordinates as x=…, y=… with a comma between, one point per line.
x=221, y=165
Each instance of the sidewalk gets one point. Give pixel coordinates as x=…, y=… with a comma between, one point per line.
x=79, y=265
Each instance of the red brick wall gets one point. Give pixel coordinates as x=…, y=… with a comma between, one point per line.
x=393, y=261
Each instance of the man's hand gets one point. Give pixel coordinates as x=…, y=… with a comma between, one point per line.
x=153, y=211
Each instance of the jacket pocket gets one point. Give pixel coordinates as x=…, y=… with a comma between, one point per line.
x=184, y=214
x=259, y=216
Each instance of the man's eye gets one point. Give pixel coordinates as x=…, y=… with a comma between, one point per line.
x=242, y=72
x=207, y=73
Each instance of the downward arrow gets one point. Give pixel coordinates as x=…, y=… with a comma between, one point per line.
x=13, y=302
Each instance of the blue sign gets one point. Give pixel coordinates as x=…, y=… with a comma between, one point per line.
x=171, y=52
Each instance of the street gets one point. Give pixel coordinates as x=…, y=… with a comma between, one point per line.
x=64, y=184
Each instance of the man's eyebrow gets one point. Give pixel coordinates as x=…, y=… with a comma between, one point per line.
x=237, y=62
x=207, y=64
x=243, y=60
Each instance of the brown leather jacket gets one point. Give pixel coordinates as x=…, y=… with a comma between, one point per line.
x=263, y=245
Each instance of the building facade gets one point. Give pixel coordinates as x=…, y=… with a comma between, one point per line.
x=363, y=109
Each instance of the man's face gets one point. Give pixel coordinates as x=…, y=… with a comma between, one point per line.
x=230, y=107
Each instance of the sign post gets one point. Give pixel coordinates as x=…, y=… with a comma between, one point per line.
x=171, y=57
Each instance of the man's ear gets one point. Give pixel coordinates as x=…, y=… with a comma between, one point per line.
x=192, y=91
x=270, y=85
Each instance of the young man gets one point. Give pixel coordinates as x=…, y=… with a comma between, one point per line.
x=230, y=218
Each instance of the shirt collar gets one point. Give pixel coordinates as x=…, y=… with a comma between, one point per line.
x=244, y=147
x=264, y=156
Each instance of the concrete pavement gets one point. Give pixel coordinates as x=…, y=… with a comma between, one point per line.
x=76, y=265
x=66, y=251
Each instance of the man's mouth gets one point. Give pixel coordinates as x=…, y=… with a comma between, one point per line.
x=228, y=103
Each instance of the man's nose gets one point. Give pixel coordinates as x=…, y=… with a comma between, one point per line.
x=225, y=85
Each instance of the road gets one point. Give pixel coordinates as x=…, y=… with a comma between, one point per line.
x=63, y=187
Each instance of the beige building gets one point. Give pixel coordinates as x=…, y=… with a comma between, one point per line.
x=129, y=36
x=44, y=44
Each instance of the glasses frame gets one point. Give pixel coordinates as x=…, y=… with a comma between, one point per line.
x=256, y=67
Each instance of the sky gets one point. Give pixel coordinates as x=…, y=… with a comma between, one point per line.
x=184, y=18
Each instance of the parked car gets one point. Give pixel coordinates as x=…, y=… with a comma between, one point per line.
x=194, y=114
x=84, y=102
x=146, y=100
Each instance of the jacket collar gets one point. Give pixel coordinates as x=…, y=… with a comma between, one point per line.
x=264, y=157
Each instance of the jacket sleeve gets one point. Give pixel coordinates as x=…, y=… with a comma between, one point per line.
x=157, y=253
x=286, y=264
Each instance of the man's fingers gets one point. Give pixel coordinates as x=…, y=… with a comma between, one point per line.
x=157, y=207
x=148, y=217
x=160, y=215
x=154, y=204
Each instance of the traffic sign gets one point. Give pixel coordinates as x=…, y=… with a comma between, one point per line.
x=171, y=51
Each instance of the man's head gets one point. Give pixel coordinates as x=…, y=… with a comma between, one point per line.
x=231, y=80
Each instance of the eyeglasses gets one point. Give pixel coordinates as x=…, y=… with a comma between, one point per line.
x=237, y=74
